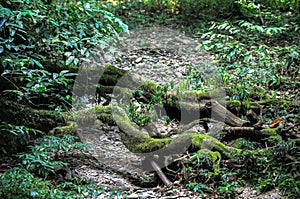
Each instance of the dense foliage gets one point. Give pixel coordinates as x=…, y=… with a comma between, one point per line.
x=33, y=178
x=41, y=47
x=42, y=43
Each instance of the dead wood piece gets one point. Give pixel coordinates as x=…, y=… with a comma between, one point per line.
x=239, y=129
x=159, y=172
x=218, y=111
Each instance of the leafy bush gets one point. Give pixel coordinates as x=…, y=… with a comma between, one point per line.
x=282, y=5
x=202, y=8
x=277, y=168
x=258, y=58
x=158, y=5
x=18, y=183
x=29, y=180
x=42, y=157
x=249, y=64
x=16, y=137
x=41, y=45
x=206, y=181
x=142, y=113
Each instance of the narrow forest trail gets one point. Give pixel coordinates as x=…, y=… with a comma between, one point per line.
x=164, y=56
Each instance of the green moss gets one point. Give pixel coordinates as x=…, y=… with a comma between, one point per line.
x=106, y=118
x=205, y=141
x=275, y=139
x=68, y=116
x=69, y=129
x=215, y=157
x=271, y=131
x=200, y=95
x=89, y=116
x=149, y=86
x=145, y=145
x=238, y=143
x=110, y=69
x=124, y=94
x=17, y=114
x=102, y=109
x=99, y=109
x=198, y=139
x=126, y=126
x=102, y=90
x=111, y=75
x=136, y=141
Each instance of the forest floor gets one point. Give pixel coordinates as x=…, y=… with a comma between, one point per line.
x=164, y=56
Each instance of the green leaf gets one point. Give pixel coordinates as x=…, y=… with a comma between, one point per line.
x=259, y=28
x=70, y=60
x=37, y=63
x=55, y=75
x=2, y=21
x=224, y=25
x=68, y=54
x=54, y=23
x=206, y=42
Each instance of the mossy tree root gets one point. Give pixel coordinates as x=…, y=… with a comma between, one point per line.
x=163, y=149
x=118, y=81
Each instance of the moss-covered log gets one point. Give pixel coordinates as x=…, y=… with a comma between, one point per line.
x=160, y=148
x=24, y=117
x=186, y=105
x=17, y=114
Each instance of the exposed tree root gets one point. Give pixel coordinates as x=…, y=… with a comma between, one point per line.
x=198, y=108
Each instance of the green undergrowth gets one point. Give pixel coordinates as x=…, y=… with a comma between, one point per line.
x=262, y=171
x=42, y=46
x=258, y=59
x=34, y=175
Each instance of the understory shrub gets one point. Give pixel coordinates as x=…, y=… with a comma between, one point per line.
x=41, y=46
